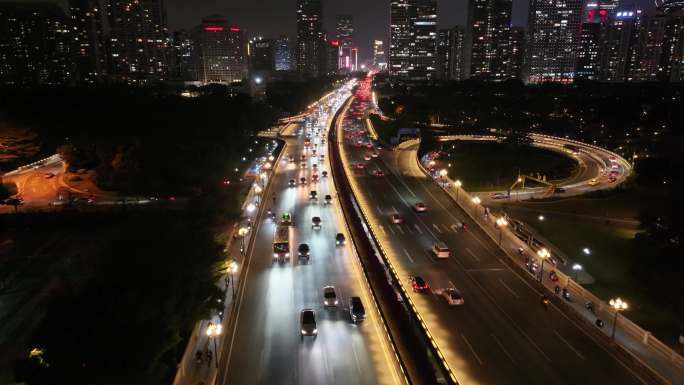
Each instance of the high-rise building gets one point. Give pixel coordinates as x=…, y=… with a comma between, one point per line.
x=89, y=43
x=138, y=40
x=490, y=38
x=283, y=54
x=673, y=58
x=648, y=60
x=517, y=51
x=311, y=45
x=35, y=44
x=379, y=56
x=552, y=40
x=400, y=38
x=588, y=50
x=618, y=53
x=457, y=54
x=345, y=30
x=443, y=53
x=220, y=51
x=262, y=54
x=423, y=48
x=184, y=66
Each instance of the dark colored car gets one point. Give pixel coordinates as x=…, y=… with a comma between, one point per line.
x=339, y=239
x=418, y=284
x=303, y=251
x=356, y=310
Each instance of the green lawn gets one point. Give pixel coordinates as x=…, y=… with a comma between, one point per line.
x=610, y=262
x=484, y=166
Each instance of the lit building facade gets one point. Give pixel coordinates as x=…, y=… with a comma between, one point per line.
x=457, y=54
x=311, y=45
x=490, y=38
x=138, y=40
x=517, y=51
x=423, y=47
x=262, y=54
x=618, y=54
x=554, y=27
x=283, y=54
x=443, y=53
x=345, y=30
x=89, y=43
x=35, y=45
x=220, y=51
x=648, y=62
x=184, y=66
x=400, y=38
x=379, y=56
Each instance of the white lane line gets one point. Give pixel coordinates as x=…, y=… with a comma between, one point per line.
x=418, y=228
x=568, y=343
x=400, y=229
x=437, y=228
x=408, y=256
x=472, y=254
x=379, y=209
x=510, y=357
x=394, y=209
x=382, y=228
x=471, y=349
x=509, y=289
x=454, y=228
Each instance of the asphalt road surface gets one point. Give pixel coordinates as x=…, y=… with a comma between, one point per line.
x=267, y=347
x=502, y=335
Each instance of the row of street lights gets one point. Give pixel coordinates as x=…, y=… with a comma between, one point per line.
x=617, y=304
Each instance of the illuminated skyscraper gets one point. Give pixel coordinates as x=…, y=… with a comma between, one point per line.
x=311, y=45
x=443, y=53
x=618, y=53
x=138, y=40
x=553, y=39
x=345, y=30
x=379, y=56
x=400, y=38
x=457, y=54
x=220, y=51
x=35, y=44
x=490, y=37
x=262, y=54
x=516, y=52
x=283, y=54
x=89, y=53
x=648, y=62
x=423, y=48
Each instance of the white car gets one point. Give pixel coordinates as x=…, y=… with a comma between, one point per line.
x=420, y=207
x=397, y=219
x=593, y=182
x=441, y=250
x=330, y=297
x=452, y=296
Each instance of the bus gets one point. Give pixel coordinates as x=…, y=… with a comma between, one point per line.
x=281, y=243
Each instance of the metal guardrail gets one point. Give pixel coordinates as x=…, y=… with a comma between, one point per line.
x=38, y=163
x=581, y=295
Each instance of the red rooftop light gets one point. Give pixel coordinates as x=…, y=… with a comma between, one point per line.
x=234, y=29
x=213, y=29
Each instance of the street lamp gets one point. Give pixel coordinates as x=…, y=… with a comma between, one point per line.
x=442, y=174
x=576, y=267
x=501, y=223
x=251, y=207
x=232, y=269
x=242, y=232
x=432, y=164
x=618, y=305
x=477, y=200
x=543, y=255
x=457, y=185
x=213, y=331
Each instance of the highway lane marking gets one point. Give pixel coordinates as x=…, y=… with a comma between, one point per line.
x=395, y=210
x=471, y=348
x=379, y=209
x=382, y=228
x=454, y=228
x=508, y=288
x=472, y=254
x=568, y=343
x=510, y=357
x=408, y=256
x=437, y=228
x=418, y=228
x=400, y=229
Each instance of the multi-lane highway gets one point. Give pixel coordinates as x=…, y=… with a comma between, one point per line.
x=502, y=334
x=264, y=345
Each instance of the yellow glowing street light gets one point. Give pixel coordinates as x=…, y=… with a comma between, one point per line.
x=576, y=268
x=618, y=305
x=271, y=158
x=257, y=189
x=232, y=269
x=213, y=331
x=543, y=254
x=501, y=222
x=457, y=185
x=477, y=200
x=432, y=163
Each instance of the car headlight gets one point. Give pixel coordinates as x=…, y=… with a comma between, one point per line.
x=275, y=255
x=335, y=302
x=315, y=331
x=303, y=331
x=287, y=254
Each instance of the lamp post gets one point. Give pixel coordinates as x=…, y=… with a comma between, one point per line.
x=457, y=185
x=501, y=223
x=442, y=174
x=213, y=331
x=618, y=305
x=576, y=268
x=242, y=232
x=257, y=191
x=232, y=268
x=543, y=255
